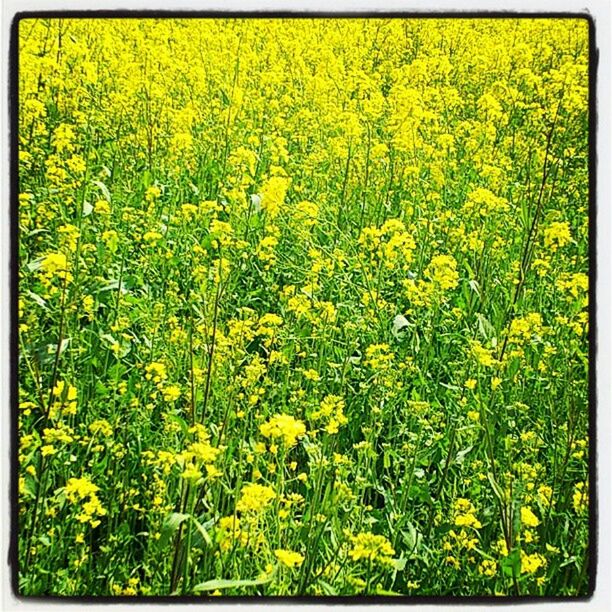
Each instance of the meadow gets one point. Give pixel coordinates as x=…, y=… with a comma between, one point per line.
x=303, y=307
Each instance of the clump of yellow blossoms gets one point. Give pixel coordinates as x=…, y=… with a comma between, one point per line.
x=331, y=410
x=465, y=514
x=528, y=518
x=307, y=213
x=557, y=235
x=530, y=564
x=230, y=532
x=64, y=400
x=55, y=263
x=255, y=498
x=580, y=498
x=372, y=547
x=283, y=426
x=82, y=490
x=488, y=568
x=273, y=194
x=442, y=271
x=289, y=558
x=391, y=244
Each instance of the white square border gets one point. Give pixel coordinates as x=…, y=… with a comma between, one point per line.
x=600, y=11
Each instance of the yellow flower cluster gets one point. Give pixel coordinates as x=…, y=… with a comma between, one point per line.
x=375, y=548
x=254, y=498
x=331, y=410
x=283, y=426
x=83, y=490
x=465, y=514
x=442, y=271
x=557, y=235
x=289, y=558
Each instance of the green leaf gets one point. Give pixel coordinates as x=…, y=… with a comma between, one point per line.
x=180, y=422
x=328, y=589
x=399, y=564
x=496, y=488
x=111, y=286
x=37, y=299
x=213, y=585
x=487, y=331
x=202, y=530
x=35, y=265
x=171, y=524
x=511, y=565
x=104, y=189
x=412, y=538
x=460, y=456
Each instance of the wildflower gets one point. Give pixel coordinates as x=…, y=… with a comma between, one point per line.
x=221, y=231
x=528, y=518
x=483, y=356
x=442, y=271
x=465, y=514
x=283, y=426
x=312, y=375
x=54, y=263
x=545, y=495
x=289, y=558
x=557, y=235
x=102, y=207
x=192, y=472
x=332, y=410
x=488, y=568
x=580, y=498
x=373, y=547
x=152, y=193
x=307, y=213
x=255, y=497
x=171, y=393
x=156, y=372
x=273, y=194
x=530, y=564
x=101, y=426
x=84, y=491
x=48, y=449
x=378, y=356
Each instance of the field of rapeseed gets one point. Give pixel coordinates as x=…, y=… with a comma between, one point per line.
x=303, y=307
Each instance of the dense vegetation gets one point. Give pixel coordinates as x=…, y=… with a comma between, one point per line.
x=303, y=307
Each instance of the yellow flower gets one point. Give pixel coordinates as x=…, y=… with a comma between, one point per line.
x=55, y=262
x=171, y=393
x=191, y=472
x=283, y=426
x=102, y=207
x=442, y=271
x=273, y=194
x=580, y=498
x=470, y=384
x=530, y=564
x=79, y=488
x=331, y=409
x=465, y=514
x=488, y=568
x=528, y=518
x=255, y=497
x=289, y=558
x=307, y=213
x=557, y=235
x=373, y=547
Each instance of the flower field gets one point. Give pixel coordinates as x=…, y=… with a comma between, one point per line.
x=303, y=307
